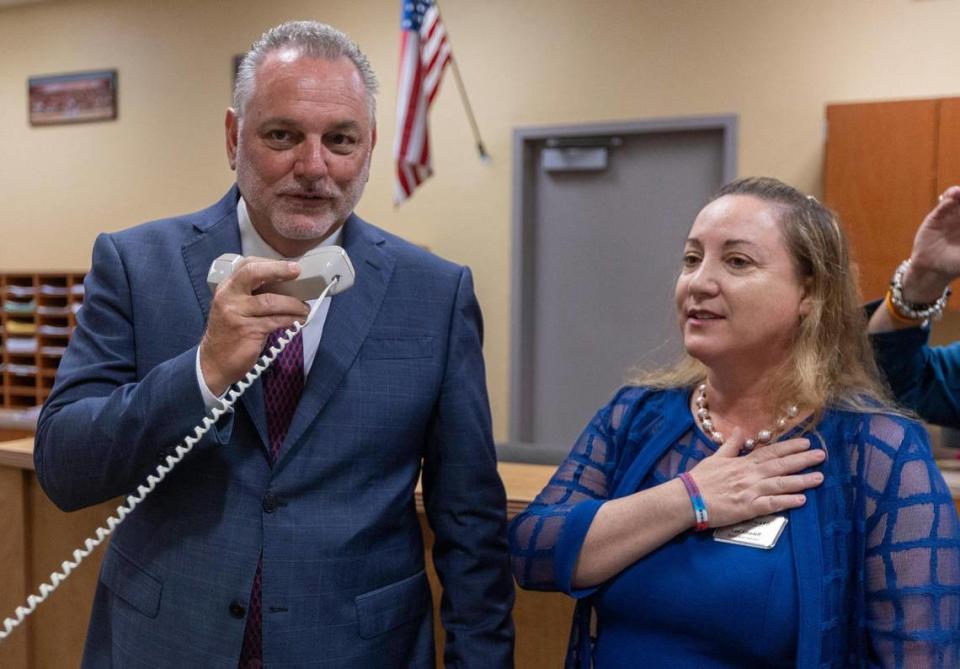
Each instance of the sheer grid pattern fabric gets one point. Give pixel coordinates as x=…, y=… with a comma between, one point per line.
x=884, y=525
x=282, y=387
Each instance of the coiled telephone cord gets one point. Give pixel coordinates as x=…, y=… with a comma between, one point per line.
x=171, y=461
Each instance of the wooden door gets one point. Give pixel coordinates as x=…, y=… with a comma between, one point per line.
x=948, y=155
x=881, y=177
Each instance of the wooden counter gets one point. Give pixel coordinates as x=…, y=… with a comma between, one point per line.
x=17, y=453
x=37, y=537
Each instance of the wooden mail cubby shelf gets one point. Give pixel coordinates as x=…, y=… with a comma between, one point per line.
x=38, y=315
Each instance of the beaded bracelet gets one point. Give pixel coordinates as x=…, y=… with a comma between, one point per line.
x=909, y=312
x=699, y=506
x=895, y=313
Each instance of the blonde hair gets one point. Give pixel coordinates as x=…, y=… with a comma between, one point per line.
x=832, y=361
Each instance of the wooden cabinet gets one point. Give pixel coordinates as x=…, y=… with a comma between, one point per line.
x=38, y=314
x=948, y=144
x=885, y=165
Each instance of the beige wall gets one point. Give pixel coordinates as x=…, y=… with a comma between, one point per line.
x=775, y=63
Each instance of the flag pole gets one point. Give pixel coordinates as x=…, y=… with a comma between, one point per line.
x=463, y=96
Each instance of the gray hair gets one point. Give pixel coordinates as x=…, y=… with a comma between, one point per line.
x=309, y=38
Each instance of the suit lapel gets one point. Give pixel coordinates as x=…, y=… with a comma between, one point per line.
x=349, y=320
x=220, y=234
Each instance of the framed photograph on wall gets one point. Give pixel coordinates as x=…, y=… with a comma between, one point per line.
x=79, y=97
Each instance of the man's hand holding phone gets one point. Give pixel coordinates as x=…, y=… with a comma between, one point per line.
x=240, y=320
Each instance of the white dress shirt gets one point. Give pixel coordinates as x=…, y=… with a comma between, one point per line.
x=252, y=244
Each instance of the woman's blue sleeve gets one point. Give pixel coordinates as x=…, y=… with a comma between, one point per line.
x=923, y=378
x=912, y=570
x=545, y=540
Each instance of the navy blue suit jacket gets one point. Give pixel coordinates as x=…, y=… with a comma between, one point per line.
x=398, y=380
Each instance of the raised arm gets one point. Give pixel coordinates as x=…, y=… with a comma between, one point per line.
x=127, y=390
x=934, y=261
x=106, y=425
x=924, y=378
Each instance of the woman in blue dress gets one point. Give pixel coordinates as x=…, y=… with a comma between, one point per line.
x=817, y=533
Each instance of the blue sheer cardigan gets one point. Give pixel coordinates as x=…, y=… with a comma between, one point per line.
x=876, y=547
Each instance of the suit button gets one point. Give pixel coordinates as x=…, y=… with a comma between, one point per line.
x=237, y=610
x=270, y=502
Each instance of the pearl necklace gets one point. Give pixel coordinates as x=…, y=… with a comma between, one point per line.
x=763, y=436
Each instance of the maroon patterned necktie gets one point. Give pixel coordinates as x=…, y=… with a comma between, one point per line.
x=282, y=387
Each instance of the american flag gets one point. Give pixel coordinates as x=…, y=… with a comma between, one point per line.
x=424, y=52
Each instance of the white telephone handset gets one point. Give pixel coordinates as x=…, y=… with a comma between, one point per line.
x=318, y=268
x=323, y=271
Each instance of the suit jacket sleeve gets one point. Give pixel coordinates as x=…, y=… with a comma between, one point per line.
x=465, y=502
x=107, y=424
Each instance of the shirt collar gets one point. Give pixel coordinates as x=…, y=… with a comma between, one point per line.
x=252, y=244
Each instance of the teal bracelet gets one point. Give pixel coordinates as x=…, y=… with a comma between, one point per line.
x=699, y=506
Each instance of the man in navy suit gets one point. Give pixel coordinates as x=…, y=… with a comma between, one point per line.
x=302, y=550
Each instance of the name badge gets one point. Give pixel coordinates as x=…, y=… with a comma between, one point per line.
x=762, y=532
